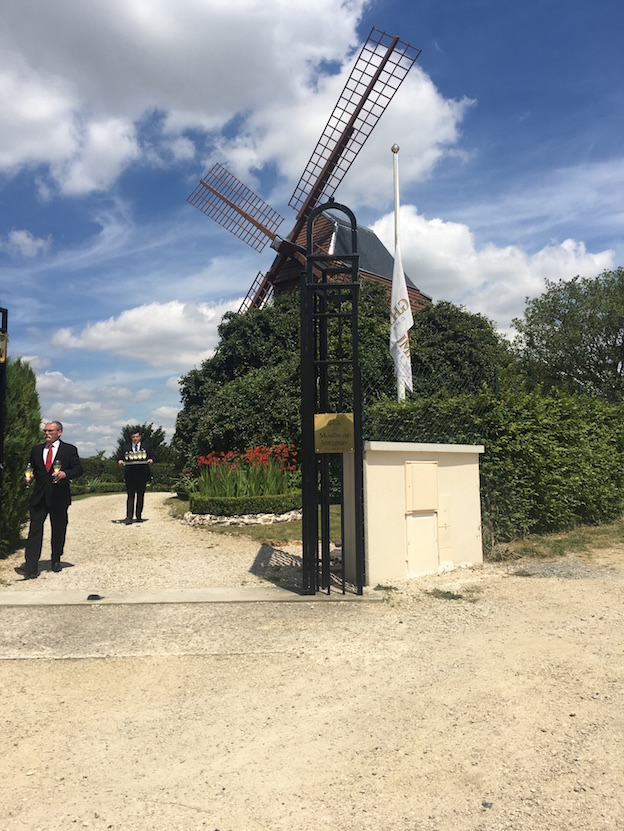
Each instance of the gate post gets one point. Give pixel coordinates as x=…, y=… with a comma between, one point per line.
x=331, y=411
x=4, y=316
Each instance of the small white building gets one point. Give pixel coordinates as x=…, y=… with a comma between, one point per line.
x=422, y=509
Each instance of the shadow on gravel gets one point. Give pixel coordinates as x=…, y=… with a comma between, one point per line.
x=285, y=570
x=278, y=567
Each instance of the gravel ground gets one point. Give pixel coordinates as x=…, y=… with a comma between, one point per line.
x=476, y=700
x=104, y=554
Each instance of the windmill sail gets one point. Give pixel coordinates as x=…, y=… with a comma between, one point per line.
x=224, y=198
x=379, y=71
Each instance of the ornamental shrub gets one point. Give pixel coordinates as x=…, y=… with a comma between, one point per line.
x=241, y=505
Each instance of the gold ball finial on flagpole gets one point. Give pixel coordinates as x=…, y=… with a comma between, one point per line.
x=395, y=148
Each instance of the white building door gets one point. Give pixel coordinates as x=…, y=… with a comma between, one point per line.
x=422, y=543
x=421, y=504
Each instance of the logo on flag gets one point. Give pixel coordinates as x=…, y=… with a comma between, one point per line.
x=401, y=321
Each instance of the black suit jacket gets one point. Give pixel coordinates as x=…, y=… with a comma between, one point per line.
x=45, y=489
x=136, y=474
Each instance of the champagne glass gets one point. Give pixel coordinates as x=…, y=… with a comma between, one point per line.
x=56, y=466
x=29, y=474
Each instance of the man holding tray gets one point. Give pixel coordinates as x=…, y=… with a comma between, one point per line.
x=136, y=457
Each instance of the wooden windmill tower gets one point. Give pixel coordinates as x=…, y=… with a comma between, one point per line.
x=379, y=70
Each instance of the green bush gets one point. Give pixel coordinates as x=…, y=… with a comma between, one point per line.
x=240, y=505
x=164, y=476
x=551, y=461
x=22, y=431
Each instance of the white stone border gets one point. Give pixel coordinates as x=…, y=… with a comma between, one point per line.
x=245, y=519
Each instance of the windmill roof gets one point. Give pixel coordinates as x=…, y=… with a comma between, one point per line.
x=374, y=256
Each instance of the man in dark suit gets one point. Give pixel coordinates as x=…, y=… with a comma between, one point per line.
x=54, y=464
x=137, y=473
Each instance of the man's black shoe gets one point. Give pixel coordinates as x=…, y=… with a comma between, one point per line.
x=56, y=567
x=138, y=519
x=128, y=521
x=25, y=573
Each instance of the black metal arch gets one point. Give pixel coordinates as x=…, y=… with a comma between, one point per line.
x=330, y=383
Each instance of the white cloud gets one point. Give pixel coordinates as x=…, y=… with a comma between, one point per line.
x=93, y=411
x=441, y=258
x=76, y=81
x=91, y=425
x=165, y=417
x=166, y=412
x=36, y=114
x=170, y=336
x=24, y=244
x=105, y=149
x=125, y=393
x=55, y=385
x=199, y=66
x=36, y=362
x=182, y=149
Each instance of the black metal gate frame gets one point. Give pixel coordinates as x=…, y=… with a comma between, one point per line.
x=4, y=317
x=328, y=284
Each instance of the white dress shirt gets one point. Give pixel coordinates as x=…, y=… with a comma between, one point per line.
x=55, y=447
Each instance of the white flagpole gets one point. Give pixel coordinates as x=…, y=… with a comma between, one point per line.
x=397, y=228
x=401, y=319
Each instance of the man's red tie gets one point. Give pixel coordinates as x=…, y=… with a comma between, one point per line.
x=48, y=462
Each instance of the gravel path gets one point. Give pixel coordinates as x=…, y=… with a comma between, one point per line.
x=104, y=554
x=481, y=699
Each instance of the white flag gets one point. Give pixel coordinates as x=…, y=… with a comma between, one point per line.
x=401, y=321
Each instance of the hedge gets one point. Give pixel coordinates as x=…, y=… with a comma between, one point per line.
x=100, y=487
x=551, y=462
x=241, y=505
x=113, y=487
x=97, y=471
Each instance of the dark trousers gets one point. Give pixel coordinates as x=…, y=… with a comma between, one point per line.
x=58, y=523
x=135, y=491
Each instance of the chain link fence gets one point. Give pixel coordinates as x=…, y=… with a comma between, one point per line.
x=445, y=407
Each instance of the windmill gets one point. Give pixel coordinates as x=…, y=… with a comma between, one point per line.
x=379, y=70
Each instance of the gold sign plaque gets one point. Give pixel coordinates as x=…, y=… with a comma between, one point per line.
x=333, y=433
x=3, y=342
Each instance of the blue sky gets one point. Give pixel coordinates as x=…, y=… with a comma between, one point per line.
x=511, y=169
